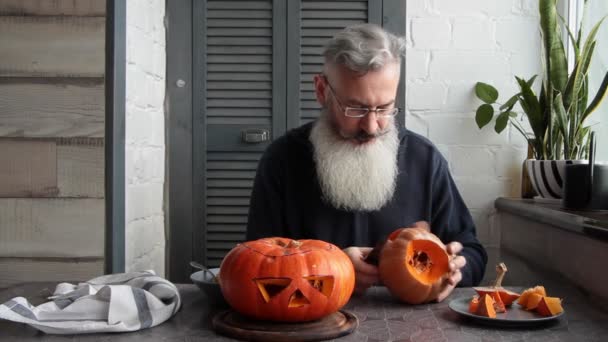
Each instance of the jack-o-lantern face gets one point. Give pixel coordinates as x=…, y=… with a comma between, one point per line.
x=286, y=280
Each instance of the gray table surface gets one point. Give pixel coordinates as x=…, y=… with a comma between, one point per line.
x=381, y=318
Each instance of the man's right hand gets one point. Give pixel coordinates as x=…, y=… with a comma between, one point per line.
x=366, y=274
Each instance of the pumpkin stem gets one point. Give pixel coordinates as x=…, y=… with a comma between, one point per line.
x=294, y=244
x=501, y=270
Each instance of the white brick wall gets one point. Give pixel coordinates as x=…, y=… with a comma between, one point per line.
x=451, y=45
x=145, y=136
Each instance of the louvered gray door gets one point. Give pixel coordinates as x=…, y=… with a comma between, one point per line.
x=315, y=23
x=257, y=60
x=242, y=107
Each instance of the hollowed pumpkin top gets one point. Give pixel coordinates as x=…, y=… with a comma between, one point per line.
x=413, y=263
x=286, y=280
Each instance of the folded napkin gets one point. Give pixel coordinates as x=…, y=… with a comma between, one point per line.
x=110, y=303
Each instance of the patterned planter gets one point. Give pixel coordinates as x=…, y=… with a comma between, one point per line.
x=547, y=176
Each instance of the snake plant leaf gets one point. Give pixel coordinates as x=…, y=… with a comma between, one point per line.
x=573, y=40
x=599, y=96
x=582, y=67
x=501, y=122
x=486, y=92
x=531, y=106
x=562, y=121
x=510, y=103
x=555, y=54
x=484, y=115
x=580, y=73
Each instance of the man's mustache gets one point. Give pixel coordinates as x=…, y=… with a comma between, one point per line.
x=363, y=136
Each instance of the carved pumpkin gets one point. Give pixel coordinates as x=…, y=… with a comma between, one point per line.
x=281, y=279
x=413, y=264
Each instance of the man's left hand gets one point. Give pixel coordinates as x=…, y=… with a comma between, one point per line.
x=457, y=262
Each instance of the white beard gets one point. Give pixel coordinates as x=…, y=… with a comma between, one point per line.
x=355, y=177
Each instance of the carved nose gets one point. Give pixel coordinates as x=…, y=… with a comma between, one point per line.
x=297, y=300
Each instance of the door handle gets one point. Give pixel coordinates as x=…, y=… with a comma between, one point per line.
x=255, y=135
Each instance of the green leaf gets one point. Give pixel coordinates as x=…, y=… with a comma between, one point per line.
x=555, y=54
x=581, y=68
x=562, y=121
x=531, y=106
x=484, y=115
x=512, y=114
x=501, y=122
x=531, y=80
x=599, y=96
x=571, y=36
x=486, y=92
x=510, y=103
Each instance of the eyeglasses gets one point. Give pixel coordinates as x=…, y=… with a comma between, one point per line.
x=359, y=112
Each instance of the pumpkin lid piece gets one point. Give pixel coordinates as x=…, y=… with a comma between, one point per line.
x=506, y=297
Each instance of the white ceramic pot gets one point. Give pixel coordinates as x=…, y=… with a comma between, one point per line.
x=547, y=176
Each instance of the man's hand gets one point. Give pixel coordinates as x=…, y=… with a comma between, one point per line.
x=366, y=274
x=456, y=263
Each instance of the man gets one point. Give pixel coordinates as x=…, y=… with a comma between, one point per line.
x=353, y=176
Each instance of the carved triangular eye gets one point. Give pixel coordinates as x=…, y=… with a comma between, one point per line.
x=270, y=287
x=297, y=299
x=323, y=284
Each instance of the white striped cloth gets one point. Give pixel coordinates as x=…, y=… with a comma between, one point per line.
x=110, y=303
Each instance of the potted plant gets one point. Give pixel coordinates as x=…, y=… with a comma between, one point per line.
x=557, y=114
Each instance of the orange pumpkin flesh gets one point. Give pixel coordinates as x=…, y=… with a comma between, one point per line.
x=523, y=299
x=506, y=297
x=550, y=306
x=413, y=264
x=280, y=279
x=486, y=306
x=533, y=301
x=474, y=304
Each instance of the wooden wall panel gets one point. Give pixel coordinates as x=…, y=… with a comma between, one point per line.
x=28, y=168
x=34, y=107
x=66, y=167
x=17, y=270
x=51, y=227
x=53, y=7
x=80, y=167
x=52, y=46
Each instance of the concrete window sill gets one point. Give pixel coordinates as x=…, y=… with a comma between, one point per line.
x=574, y=244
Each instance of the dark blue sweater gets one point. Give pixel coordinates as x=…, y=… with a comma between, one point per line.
x=287, y=201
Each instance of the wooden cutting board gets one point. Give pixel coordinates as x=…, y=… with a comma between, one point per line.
x=232, y=324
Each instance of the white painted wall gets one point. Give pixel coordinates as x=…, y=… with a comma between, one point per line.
x=452, y=45
x=145, y=136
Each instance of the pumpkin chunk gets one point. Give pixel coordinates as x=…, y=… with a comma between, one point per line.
x=523, y=299
x=550, y=306
x=533, y=301
x=486, y=307
x=474, y=304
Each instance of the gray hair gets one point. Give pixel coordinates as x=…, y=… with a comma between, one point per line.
x=364, y=47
